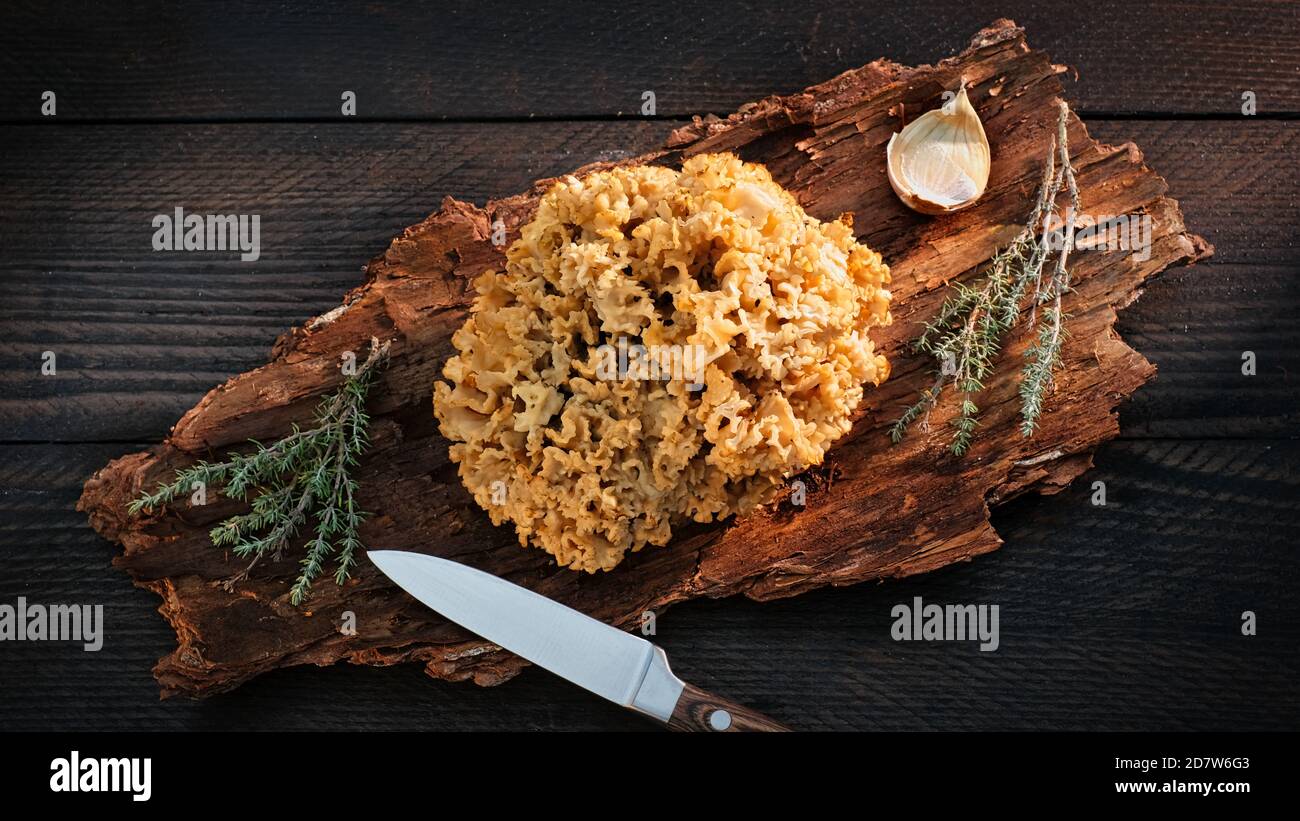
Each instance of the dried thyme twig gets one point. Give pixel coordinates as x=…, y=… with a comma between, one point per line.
x=308, y=471
x=965, y=336
x=1044, y=354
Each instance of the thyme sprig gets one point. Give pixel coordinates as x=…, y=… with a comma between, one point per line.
x=965, y=336
x=1043, y=356
x=307, y=472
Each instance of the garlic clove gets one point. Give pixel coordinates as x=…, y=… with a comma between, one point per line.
x=939, y=163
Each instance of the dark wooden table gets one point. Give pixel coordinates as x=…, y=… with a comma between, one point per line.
x=1126, y=616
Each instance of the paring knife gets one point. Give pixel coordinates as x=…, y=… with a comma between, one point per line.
x=626, y=669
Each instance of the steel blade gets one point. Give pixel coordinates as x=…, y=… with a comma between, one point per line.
x=607, y=661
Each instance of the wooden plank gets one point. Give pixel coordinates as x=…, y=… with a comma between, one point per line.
x=156, y=60
x=826, y=145
x=1234, y=180
x=1197, y=325
x=1122, y=617
x=142, y=335
x=127, y=370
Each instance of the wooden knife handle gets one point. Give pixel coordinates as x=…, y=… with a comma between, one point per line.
x=701, y=712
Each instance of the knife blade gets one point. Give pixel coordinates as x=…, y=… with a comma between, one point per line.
x=613, y=664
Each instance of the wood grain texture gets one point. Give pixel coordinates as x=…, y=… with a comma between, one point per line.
x=1196, y=324
x=241, y=60
x=827, y=146
x=1123, y=617
x=141, y=336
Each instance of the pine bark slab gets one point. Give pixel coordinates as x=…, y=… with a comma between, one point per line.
x=874, y=510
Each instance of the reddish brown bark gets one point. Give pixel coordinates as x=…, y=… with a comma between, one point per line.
x=873, y=510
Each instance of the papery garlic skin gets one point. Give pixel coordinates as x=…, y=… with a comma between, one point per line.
x=939, y=163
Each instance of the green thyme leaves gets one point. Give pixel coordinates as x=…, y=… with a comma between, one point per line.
x=307, y=474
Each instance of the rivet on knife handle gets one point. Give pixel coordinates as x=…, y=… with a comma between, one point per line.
x=698, y=711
